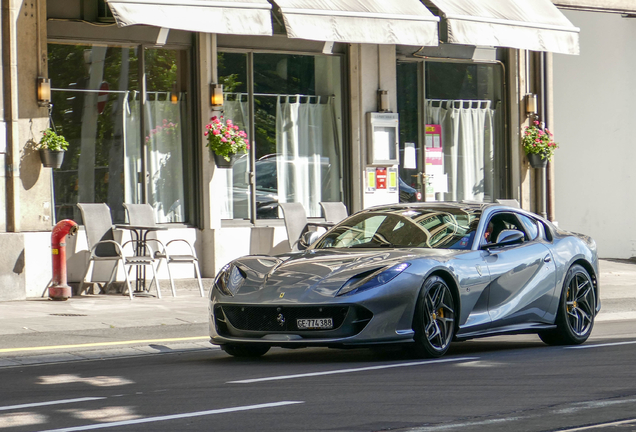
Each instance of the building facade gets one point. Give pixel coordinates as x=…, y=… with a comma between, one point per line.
x=593, y=99
x=388, y=103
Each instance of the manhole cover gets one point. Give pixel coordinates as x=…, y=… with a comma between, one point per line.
x=69, y=315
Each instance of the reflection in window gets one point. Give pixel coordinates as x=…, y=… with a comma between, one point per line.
x=97, y=107
x=297, y=141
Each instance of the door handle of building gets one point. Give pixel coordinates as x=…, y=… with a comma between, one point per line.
x=547, y=258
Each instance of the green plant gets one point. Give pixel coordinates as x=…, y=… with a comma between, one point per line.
x=224, y=138
x=537, y=140
x=52, y=141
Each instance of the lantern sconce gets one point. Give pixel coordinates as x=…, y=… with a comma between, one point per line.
x=383, y=101
x=44, y=92
x=216, y=96
x=531, y=104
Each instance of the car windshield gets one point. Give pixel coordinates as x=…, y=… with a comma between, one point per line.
x=435, y=228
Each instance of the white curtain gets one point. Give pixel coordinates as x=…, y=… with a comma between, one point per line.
x=235, y=200
x=308, y=165
x=164, y=149
x=468, y=146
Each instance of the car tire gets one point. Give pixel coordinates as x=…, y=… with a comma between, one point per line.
x=434, y=319
x=245, y=350
x=577, y=307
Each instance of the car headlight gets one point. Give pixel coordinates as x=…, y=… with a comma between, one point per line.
x=371, y=279
x=229, y=279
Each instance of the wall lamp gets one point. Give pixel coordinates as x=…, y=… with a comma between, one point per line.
x=216, y=96
x=383, y=101
x=44, y=92
x=531, y=104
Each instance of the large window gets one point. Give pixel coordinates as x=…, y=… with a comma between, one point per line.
x=452, y=130
x=125, y=146
x=296, y=151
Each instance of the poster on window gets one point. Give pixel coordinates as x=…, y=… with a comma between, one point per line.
x=436, y=180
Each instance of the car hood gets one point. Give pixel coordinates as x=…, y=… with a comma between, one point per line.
x=315, y=272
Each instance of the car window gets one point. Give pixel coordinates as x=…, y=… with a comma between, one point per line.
x=404, y=228
x=532, y=229
x=500, y=222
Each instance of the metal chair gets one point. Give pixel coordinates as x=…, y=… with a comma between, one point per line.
x=103, y=247
x=295, y=223
x=334, y=212
x=143, y=215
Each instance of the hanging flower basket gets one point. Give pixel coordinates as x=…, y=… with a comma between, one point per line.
x=52, y=158
x=536, y=161
x=226, y=141
x=221, y=162
x=52, y=147
x=538, y=144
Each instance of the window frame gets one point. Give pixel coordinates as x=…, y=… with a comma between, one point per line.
x=189, y=148
x=253, y=220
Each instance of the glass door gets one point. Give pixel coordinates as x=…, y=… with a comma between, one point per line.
x=452, y=121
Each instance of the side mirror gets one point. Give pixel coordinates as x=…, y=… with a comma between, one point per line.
x=506, y=238
x=309, y=238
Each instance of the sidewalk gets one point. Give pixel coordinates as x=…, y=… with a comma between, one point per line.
x=148, y=324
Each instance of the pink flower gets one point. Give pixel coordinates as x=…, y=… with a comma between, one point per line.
x=205, y=133
x=216, y=132
x=536, y=122
x=223, y=139
x=213, y=118
x=248, y=146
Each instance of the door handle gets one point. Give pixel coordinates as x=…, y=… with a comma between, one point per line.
x=547, y=258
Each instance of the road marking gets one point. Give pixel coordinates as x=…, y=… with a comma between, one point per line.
x=39, y=404
x=343, y=371
x=601, y=345
x=173, y=417
x=103, y=344
x=600, y=425
x=454, y=426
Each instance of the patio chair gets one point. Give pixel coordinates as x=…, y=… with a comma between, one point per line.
x=103, y=247
x=334, y=212
x=144, y=215
x=295, y=223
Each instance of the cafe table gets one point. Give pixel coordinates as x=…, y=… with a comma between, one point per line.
x=139, y=236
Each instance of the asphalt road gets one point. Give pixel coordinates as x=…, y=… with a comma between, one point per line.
x=497, y=384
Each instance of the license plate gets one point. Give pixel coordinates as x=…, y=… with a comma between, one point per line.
x=314, y=324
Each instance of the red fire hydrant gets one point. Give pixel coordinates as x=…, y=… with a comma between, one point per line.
x=59, y=289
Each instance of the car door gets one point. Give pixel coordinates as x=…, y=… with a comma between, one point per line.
x=522, y=276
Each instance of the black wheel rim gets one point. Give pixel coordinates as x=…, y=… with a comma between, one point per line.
x=580, y=304
x=439, y=316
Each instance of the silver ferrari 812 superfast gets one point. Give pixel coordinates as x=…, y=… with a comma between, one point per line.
x=421, y=274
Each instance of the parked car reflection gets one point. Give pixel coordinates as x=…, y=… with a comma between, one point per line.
x=267, y=193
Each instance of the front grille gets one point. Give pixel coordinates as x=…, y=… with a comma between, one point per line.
x=268, y=318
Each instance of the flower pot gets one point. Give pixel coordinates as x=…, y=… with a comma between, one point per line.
x=536, y=161
x=52, y=158
x=221, y=162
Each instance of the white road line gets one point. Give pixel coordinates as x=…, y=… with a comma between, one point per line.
x=600, y=425
x=601, y=345
x=173, y=417
x=57, y=402
x=342, y=371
